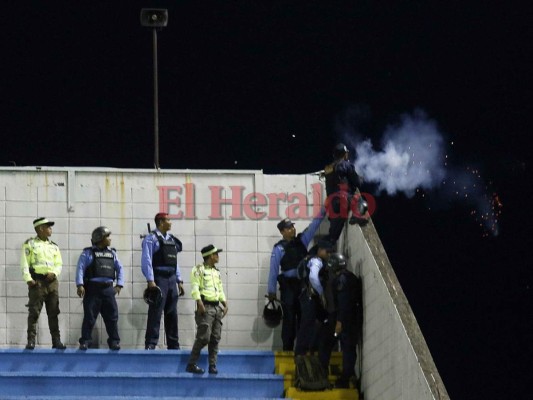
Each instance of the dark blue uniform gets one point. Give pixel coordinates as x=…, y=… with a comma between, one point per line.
x=159, y=264
x=341, y=183
x=347, y=296
x=283, y=261
x=97, y=269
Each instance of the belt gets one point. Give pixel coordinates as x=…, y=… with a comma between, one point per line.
x=164, y=273
x=101, y=284
x=211, y=303
x=38, y=277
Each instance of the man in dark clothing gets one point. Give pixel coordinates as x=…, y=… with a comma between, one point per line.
x=342, y=181
x=98, y=266
x=313, y=299
x=347, y=294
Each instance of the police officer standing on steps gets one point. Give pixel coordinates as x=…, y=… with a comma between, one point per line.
x=341, y=184
x=347, y=293
x=312, y=299
x=98, y=266
x=159, y=264
x=207, y=290
x=41, y=265
x=285, y=256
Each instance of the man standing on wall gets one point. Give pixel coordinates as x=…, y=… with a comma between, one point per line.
x=284, y=259
x=342, y=181
x=159, y=264
x=41, y=265
x=98, y=266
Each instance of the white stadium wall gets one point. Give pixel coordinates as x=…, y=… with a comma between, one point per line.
x=234, y=210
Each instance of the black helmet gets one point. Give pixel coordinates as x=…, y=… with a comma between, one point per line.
x=272, y=314
x=99, y=234
x=340, y=150
x=152, y=295
x=336, y=262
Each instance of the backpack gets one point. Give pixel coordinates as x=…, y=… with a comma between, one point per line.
x=302, y=272
x=309, y=374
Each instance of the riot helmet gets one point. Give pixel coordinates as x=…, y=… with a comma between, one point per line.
x=336, y=262
x=99, y=234
x=152, y=296
x=339, y=150
x=272, y=314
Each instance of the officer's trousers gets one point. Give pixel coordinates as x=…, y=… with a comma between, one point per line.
x=209, y=331
x=289, y=289
x=168, y=305
x=100, y=299
x=44, y=292
x=307, y=333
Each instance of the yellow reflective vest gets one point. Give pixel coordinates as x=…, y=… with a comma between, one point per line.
x=206, y=284
x=43, y=256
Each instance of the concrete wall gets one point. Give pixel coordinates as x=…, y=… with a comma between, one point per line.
x=395, y=362
x=235, y=210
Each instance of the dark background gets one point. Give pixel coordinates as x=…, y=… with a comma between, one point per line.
x=263, y=84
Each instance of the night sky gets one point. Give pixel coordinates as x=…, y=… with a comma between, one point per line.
x=274, y=85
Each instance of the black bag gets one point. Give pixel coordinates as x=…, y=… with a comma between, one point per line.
x=309, y=374
x=302, y=272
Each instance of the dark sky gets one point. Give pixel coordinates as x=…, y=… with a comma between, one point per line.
x=262, y=85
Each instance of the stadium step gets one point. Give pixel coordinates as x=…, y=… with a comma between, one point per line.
x=284, y=365
x=135, y=374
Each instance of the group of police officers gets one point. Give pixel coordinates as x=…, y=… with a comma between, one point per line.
x=323, y=303
x=100, y=277
x=314, y=311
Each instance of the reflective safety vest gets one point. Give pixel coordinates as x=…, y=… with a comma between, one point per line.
x=206, y=284
x=40, y=257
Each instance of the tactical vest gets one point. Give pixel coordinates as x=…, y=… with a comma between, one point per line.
x=294, y=252
x=167, y=255
x=103, y=265
x=333, y=178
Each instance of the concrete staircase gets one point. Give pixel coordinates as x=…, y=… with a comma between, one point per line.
x=285, y=366
x=134, y=375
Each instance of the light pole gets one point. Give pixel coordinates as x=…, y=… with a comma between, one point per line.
x=155, y=18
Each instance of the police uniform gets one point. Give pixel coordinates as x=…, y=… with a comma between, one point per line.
x=283, y=262
x=341, y=183
x=40, y=257
x=96, y=271
x=312, y=303
x=206, y=286
x=347, y=298
x=159, y=263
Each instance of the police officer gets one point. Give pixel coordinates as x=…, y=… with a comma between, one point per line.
x=285, y=256
x=98, y=267
x=312, y=299
x=41, y=265
x=341, y=184
x=159, y=264
x=207, y=290
x=347, y=292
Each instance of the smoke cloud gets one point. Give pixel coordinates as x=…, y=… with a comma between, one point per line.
x=412, y=157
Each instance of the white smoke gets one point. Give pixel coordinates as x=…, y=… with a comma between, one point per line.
x=412, y=157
